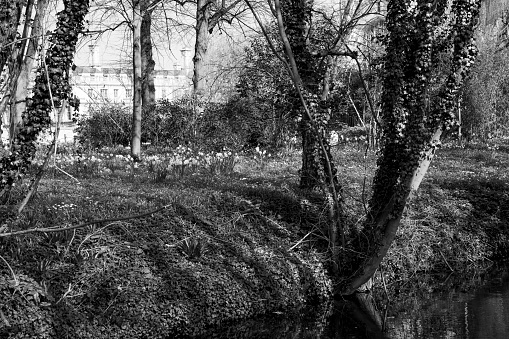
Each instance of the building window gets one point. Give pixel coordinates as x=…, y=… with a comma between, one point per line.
x=129, y=93
x=90, y=92
x=115, y=92
x=104, y=92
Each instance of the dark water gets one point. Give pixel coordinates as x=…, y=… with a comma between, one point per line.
x=482, y=313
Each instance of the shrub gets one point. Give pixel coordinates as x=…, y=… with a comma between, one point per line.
x=106, y=125
x=209, y=126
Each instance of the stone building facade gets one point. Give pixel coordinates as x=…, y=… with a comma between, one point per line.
x=102, y=85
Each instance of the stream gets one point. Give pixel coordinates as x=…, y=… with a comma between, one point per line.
x=480, y=313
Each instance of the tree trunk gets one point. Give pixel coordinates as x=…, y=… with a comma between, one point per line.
x=55, y=72
x=297, y=16
x=147, y=62
x=384, y=227
x=137, y=83
x=201, y=45
x=309, y=177
x=412, y=130
x=26, y=64
x=10, y=14
x=315, y=115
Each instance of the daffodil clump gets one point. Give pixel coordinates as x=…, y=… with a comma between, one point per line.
x=180, y=161
x=186, y=160
x=261, y=157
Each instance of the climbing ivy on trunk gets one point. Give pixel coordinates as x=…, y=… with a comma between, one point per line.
x=10, y=12
x=54, y=71
x=297, y=17
x=413, y=120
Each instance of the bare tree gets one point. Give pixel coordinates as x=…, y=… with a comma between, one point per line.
x=208, y=16
x=138, y=17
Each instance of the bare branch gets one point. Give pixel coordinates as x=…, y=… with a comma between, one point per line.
x=108, y=29
x=366, y=90
x=269, y=41
x=214, y=19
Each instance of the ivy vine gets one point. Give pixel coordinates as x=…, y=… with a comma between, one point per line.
x=54, y=71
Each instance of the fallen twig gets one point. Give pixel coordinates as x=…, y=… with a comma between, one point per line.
x=69, y=175
x=300, y=241
x=93, y=222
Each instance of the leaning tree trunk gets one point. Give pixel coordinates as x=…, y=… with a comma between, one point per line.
x=412, y=125
x=55, y=73
x=137, y=72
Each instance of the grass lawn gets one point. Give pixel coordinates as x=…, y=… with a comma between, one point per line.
x=232, y=242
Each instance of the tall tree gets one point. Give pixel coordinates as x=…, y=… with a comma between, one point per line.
x=297, y=17
x=138, y=17
x=314, y=47
x=51, y=89
x=208, y=15
x=24, y=62
x=418, y=34
x=136, y=22
x=10, y=15
x=417, y=106
x=147, y=61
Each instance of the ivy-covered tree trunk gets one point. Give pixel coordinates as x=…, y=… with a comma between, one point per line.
x=137, y=81
x=307, y=75
x=297, y=16
x=413, y=120
x=10, y=14
x=26, y=64
x=57, y=61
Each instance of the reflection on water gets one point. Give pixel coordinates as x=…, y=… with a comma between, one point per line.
x=481, y=314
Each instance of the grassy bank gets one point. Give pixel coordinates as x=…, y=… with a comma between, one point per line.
x=235, y=239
